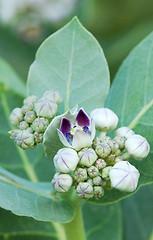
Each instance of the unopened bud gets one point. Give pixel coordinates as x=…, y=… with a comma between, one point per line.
x=124, y=176
x=103, y=150
x=80, y=175
x=38, y=137
x=124, y=132
x=62, y=182
x=113, y=146
x=105, y=172
x=98, y=192
x=25, y=139
x=53, y=96
x=66, y=160
x=31, y=99
x=40, y=124
x=100, y=163
x=137, y=147
x=14, y=134
x=87, y=157
x=23, y=125
x=93, y=171
x=28, y=107
x=30, y=116
x=16, y=116
x=118, y=159
x=45, y=108
x=85, y=190
x=97, y=180
x=121, y=141
x=105, y=119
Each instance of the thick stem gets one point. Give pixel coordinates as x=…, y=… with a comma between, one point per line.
x=75, y=229
x=102, y=134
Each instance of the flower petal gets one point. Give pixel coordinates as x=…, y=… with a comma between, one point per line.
x=81, y=140
x=65, y=126
x=63, y=139
x=82, y=118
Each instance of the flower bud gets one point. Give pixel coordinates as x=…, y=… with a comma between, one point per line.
x=62, y=182
x=80, y=175
x=98, y=192
x=85, y=190
x=97, y=180
x=121, y=141
x=118, y=159
x=29, y=129
x=103, y=150
x=124, y=176
x=93, y=171
x=90, y=181
x=45, y=108
x=31, y=99
x=66, y=160
x=100, y=163
x=105, y=119
x=105, y=172
x=16, y=116
x=30, y=116
x=25, y=139
x=23, y=125
x=40, y=124
x=113, y=146
x=26, y=108
x=87, y=157
x=124, y=132
x=14, y=134
x=53, y=96
x=137, y=147
x=38, y=137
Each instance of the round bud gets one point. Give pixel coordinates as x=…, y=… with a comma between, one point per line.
x=16, y=116
x=124, y=176
x=121, y=141
x=66, y=160
x=118, y=159
x=97, y=180
x=90, y=181
x=25, y=139
x=113, y=146
x=45, y=108
x=40, y=124
x=85, y=190
x=14, y=134
x=30, y=116
x=124, y=132
x=98, y=192
x=137, y=147
x=31, y=99
x=105, y=119
x=87, y=157
x=23, y=125
x=103, y=150
x=28, y=107
x=62, y=182
x=93, y=171
x=100, y=163
x=105, y=172
x=29, y=129
x=53, y=96
x=80, y=175
x=38, y=137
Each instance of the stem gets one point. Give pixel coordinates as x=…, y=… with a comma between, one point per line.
x=102, y=134
x=75, y=229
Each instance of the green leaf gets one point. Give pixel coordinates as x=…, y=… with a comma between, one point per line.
x=72, y=62
x=10, y=80
x=103, y=222
x=36, y=200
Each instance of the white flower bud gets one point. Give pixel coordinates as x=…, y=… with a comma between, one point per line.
x=97, y=180
x=40, y=125
x=30, y=116
x=124, y=132
x=16, y=116
x=137, y=147
x=23, y=125
x=105, y=172
x=100, y=163
x=45, y=108
x=28, y=107
x=25, y=139
x=93, y=171
x=124, y=176
x=62, y=182
x=31, y=99
x=66, y=160
x=87, y=157
x=53, y=96
x=98, y=192
x=80, y=175
x=103, y=150
x=85, y=190
x=105, y=119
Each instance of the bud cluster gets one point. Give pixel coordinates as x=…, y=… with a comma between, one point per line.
x=102, y=165
x=33, y=118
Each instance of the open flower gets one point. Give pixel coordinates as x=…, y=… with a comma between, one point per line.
x=78, y=134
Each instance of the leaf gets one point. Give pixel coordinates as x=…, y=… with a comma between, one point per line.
x=72, y=62
x=103, y=222
x=36, y=200
x=10, y=80
x=51, y=140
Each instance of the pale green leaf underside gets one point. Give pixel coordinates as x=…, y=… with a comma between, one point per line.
x=72, y=62
x=36, y=200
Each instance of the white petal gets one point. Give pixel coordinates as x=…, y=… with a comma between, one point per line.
x=63, y=139
x=81, y=140
x=92, y=129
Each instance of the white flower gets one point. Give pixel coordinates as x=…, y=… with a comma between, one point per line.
x=62, y=182
x=137, y=147
x=124, y=132
x=105, y=119
x=124, y=176
x=66, y=160
x=87, y=157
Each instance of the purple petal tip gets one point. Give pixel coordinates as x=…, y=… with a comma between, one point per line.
x=65, y=126
x=82, y=118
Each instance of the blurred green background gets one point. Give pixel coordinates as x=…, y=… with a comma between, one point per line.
x=117, y=24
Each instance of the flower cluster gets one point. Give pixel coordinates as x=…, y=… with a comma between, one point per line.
x=91, y=164
x=33, y=118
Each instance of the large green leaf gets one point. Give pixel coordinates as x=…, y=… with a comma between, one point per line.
x=72, y=62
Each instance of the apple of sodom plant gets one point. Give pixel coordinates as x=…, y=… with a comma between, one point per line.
x=91, y=160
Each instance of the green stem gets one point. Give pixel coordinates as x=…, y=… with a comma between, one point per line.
x=102, y=134
x=75, y=229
